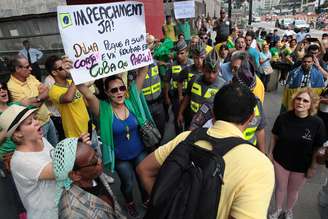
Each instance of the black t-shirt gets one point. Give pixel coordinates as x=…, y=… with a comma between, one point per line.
x=297, y=140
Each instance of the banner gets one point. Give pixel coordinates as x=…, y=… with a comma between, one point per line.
x=104, y=39
x=184, y=9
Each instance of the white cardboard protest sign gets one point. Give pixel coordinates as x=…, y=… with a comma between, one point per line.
x=184, y=9
x=104, y=39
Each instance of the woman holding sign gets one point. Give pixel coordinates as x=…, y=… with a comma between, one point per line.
x=122, y=147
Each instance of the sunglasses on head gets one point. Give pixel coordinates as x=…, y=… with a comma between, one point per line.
x=116, y=89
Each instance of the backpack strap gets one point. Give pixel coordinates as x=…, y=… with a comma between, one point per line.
x=221, y=146
x=224, y=145
x=196, y=135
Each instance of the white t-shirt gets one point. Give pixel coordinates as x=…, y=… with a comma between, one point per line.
x=38, y=196
x=289, y=33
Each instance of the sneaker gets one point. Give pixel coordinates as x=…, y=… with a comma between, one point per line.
x=276, y=214
x=132, y=210
x=289, y=214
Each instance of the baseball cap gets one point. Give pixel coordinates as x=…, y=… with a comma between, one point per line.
x=13, y=116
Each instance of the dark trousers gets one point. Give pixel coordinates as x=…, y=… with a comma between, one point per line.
x=36, y=71
x=324, y=117
x=126, y=170
x=265, y=80
x=59, y=127
x=175, y=109
x=158, y=112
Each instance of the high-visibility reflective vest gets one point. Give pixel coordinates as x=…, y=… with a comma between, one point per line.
x=203, y=93
x=152, y=84
x=249, y=132
x=176, y=70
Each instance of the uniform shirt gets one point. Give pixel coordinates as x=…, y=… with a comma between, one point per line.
x=28, y=89
x=191, y=69
x=248, y=176
x=169, y=75
x=298, y=138
x=34, y=54
x=75, y=116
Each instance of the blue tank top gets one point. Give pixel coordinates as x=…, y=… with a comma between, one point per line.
x=126, y=149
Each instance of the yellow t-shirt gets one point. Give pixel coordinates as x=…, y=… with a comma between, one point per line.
x=169, y=32
x=248, y=176
x=74, y=115
x=28, y=89
x=208, y=49
x=259, y=89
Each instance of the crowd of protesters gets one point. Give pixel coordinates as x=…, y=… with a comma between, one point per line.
x=61, y=142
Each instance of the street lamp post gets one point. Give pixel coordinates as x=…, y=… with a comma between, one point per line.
x=250, y=14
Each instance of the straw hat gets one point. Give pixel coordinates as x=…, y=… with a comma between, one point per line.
x=13, y=116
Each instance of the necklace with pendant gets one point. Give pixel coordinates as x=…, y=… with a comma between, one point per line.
x=127, y=129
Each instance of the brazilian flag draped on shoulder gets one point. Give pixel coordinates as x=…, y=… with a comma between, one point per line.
x=316, y=82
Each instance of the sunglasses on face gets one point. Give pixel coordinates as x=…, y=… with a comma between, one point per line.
x=116, y=89
x=204, y=38
x=300, y=99
x=26, y=67
x=59, y=68
x=92, y=163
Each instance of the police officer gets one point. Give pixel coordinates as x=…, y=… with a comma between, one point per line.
x=152, y=90
x=201, y=89
x=255, y=132
x=170, y=89
x=198, y=53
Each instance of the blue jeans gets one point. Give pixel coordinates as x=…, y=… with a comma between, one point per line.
x=50, y=133
x=126, y=170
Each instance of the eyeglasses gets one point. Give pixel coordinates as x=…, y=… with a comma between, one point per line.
x=302, y=100
x=59, y=68
x=116, y=89
x=204, y=38
x=26, y=67
x=92, y=163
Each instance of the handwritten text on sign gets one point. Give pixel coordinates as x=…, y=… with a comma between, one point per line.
x=104, y=39
x=184, y=9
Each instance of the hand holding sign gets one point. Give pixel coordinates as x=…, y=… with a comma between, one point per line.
x=104, y=39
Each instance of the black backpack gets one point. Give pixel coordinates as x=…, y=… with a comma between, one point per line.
x=189, y=182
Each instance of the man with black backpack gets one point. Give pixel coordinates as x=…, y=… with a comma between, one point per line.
x=211, y=173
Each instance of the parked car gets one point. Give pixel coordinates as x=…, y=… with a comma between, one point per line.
x=298, y=24
x=256, y=18
x=285, y=23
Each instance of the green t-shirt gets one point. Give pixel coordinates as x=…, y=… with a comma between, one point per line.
x=183, y=28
